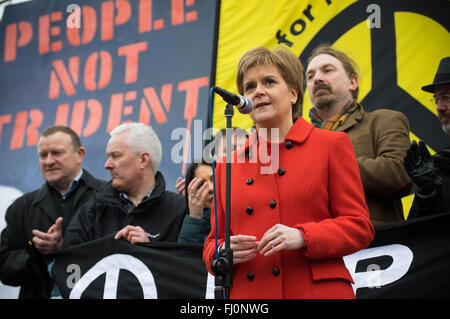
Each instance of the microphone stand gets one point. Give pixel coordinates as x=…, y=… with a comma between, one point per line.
x=223, y=266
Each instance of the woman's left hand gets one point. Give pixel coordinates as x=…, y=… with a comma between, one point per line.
x=280, y=237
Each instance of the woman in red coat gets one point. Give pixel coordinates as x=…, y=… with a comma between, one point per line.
x=297, y=202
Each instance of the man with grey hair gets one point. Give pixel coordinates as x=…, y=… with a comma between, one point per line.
x=134, y=204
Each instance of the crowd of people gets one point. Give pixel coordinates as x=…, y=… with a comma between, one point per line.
x=293, y=217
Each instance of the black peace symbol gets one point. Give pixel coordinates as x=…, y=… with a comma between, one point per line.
x=385, y=93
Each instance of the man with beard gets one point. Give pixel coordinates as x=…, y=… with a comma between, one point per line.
x=380, y=138
x=432, y=174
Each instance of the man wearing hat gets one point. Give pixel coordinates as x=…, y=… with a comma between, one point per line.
x=431, y=174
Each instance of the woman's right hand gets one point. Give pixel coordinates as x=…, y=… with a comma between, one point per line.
x=244, y=248
x=179, y=185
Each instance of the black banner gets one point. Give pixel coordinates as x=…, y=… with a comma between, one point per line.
x=109, y=269
x=408, y=259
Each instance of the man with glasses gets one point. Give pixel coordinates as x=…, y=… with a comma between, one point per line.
x=431, y=174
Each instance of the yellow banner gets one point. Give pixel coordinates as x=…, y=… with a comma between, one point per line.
x=421, y=42
x=397, y=45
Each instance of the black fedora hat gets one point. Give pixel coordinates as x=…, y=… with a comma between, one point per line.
x=442, y=75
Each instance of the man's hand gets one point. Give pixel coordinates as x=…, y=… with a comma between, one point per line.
x=442, y=161
x=420, y=167
x=134, y=234
x=51, y=241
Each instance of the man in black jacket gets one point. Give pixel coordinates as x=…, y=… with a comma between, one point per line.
x=36, y=221
x=135, y=204
x=431, y=174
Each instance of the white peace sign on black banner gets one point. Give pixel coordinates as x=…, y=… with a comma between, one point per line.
x=112, y=265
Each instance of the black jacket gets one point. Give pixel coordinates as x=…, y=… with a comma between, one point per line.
x=20, y=263
x=160, y=215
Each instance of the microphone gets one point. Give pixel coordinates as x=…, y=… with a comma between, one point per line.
x=243, y=104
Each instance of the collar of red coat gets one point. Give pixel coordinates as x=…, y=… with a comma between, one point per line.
x=298, y=133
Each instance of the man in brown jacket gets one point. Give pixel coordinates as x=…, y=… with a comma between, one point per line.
x=380, y=138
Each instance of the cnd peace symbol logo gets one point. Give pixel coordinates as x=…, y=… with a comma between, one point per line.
x=109, y=270
x=112, y=266
x=385, y=91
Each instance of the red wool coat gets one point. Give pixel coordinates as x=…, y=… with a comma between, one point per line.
x=316, y=188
